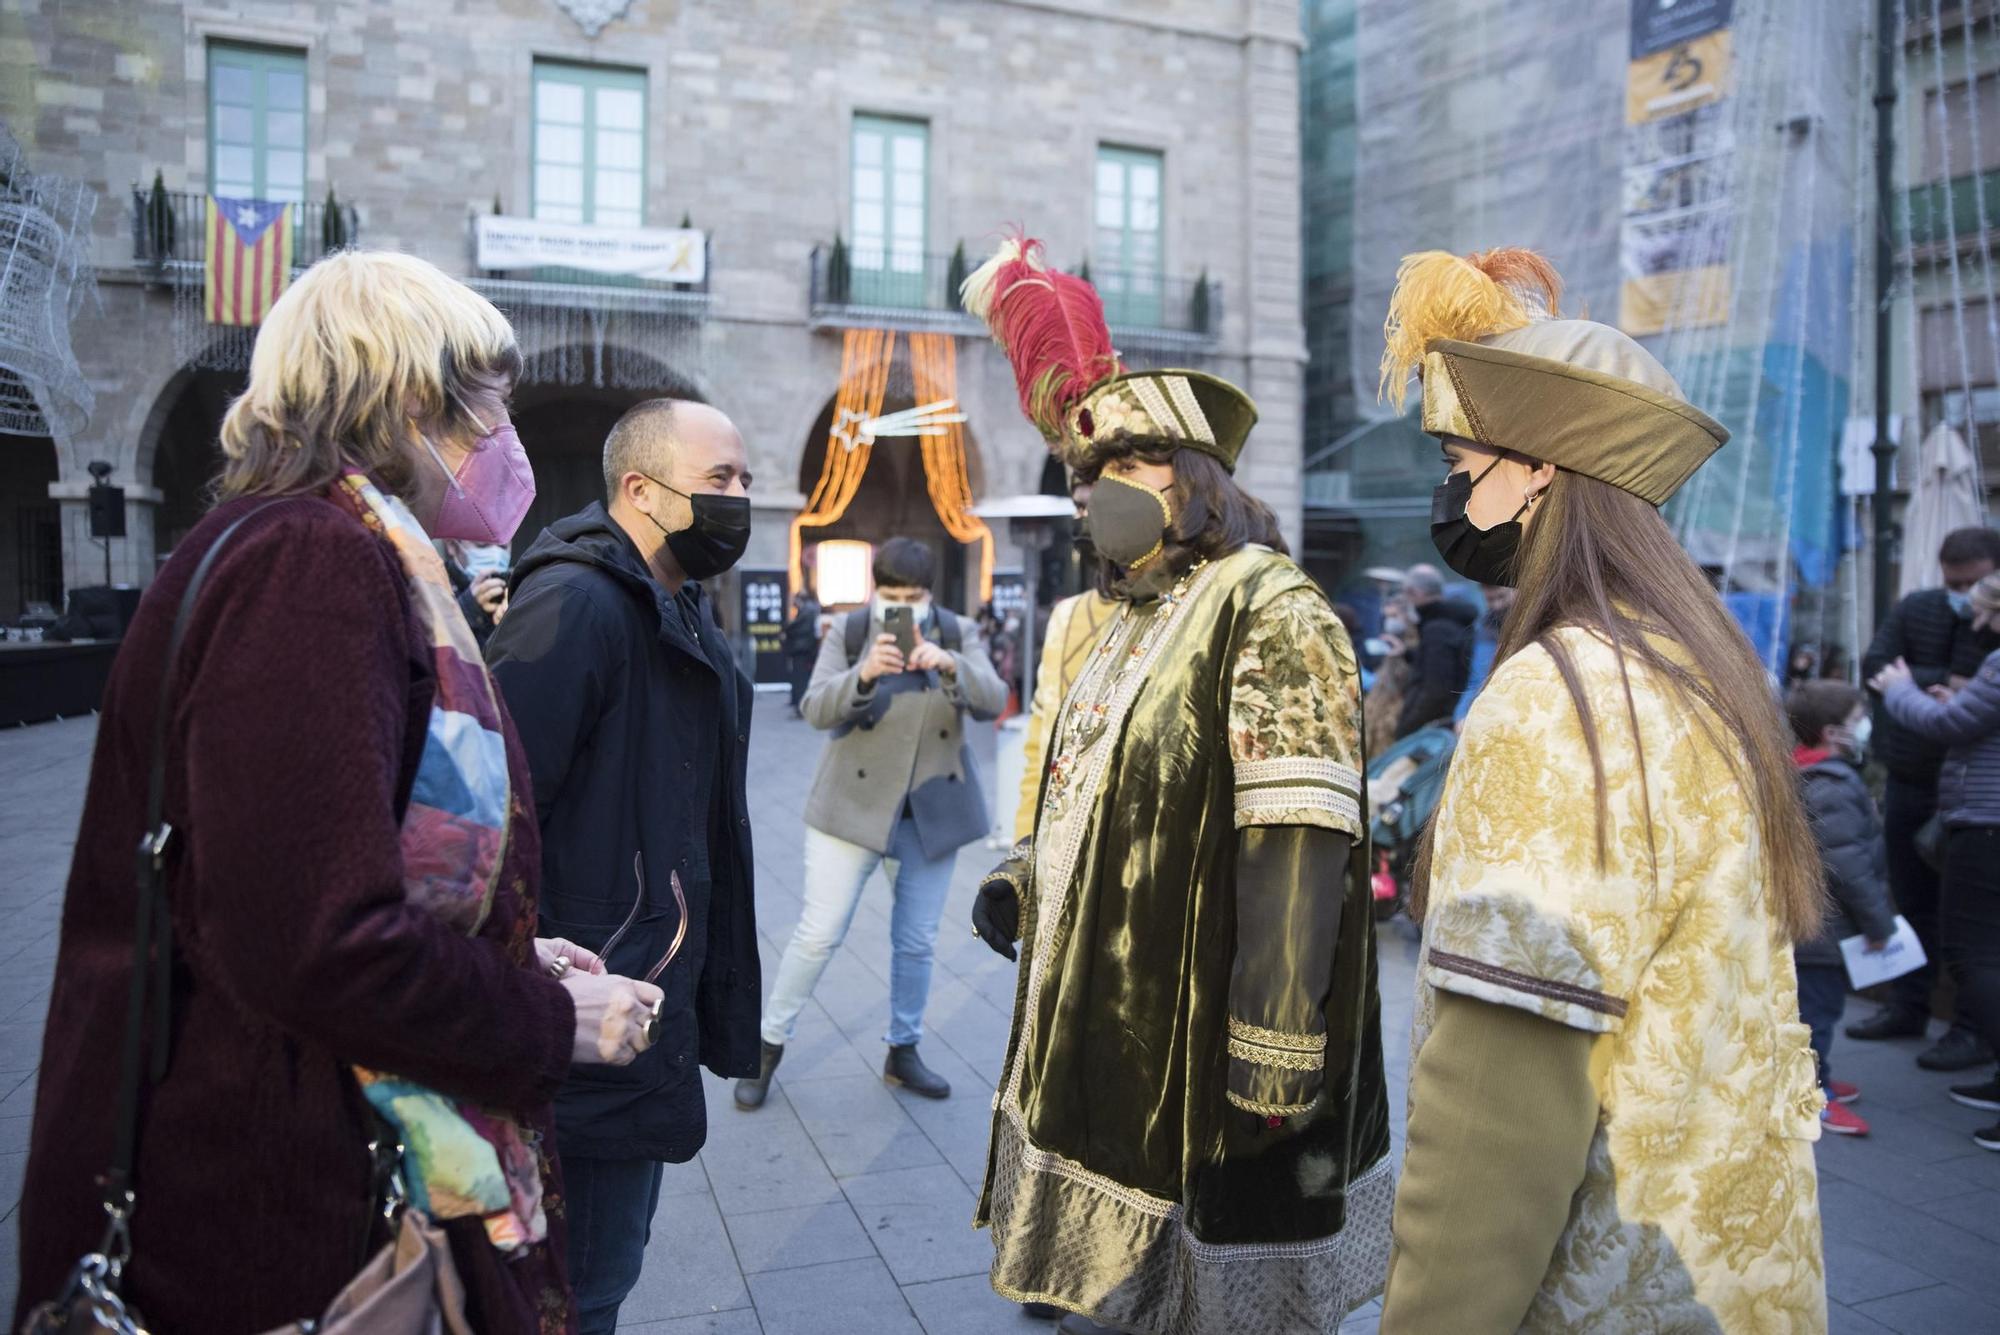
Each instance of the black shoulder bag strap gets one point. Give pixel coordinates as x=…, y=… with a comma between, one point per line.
x=153, y=921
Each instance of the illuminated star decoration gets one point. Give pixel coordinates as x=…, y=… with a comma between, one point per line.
x=928, y=419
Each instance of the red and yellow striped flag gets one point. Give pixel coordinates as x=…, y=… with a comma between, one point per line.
x=249, y=258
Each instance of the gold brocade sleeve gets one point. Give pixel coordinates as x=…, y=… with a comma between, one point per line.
x=1295, y=719
x=1049, y=687
x=1295, y=744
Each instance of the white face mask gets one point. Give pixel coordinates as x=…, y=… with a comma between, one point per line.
x=918, y=609
x=1853, y=742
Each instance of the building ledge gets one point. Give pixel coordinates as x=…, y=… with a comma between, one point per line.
x=656, y=299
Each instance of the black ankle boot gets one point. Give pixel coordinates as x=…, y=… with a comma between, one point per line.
x=907, y=1069
x=751, y=1093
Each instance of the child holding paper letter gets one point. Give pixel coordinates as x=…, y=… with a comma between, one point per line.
x=1830, y=720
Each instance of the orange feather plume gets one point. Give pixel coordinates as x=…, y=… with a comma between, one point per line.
x=1442, y=295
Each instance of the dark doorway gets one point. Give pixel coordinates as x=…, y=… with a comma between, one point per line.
x=187, y=455
x=563, y=428
x=30, y=526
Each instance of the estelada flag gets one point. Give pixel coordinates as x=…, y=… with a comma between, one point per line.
x=249, y=258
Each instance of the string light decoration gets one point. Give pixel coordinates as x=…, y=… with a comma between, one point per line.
x=934, y=364
x=864, y=377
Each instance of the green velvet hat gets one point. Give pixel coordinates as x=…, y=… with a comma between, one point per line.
x=1073, y=387
x=1198, y=410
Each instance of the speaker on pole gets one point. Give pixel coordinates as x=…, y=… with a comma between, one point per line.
x=107, y=511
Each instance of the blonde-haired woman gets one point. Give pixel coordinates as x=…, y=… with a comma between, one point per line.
x=1612, y=1100
x=353, y=872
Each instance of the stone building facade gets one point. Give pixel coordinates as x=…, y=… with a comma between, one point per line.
x=419, y=117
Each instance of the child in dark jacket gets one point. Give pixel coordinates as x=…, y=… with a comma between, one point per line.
x=1830, y=721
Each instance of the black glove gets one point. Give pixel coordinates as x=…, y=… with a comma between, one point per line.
x=996, y=916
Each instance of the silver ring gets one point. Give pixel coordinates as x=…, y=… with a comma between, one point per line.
x=560, y=969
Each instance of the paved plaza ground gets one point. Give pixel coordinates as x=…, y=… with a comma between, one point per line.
x=845, y=1206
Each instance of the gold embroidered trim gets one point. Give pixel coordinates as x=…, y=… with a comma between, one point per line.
x=1189, y=408
x=1164, y=1275
x=1287, y=1039
x=1342, y=806
x=1312, y=769
x=1284, y=1061
x=1150, y=398
x=1036, y=1160
x=1268, y=1109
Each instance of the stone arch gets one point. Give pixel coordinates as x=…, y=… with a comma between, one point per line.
x=563, y=427
x=179, y=452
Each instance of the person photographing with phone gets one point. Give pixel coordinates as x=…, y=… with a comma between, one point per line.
x=894, y=683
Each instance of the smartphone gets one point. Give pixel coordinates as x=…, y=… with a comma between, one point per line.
x=897, y=621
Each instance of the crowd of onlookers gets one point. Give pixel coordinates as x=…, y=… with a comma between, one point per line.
x=1929, y=728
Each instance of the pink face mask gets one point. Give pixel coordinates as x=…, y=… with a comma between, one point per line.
x=491, y=492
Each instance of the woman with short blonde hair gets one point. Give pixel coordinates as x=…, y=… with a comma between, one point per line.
x=354, y=867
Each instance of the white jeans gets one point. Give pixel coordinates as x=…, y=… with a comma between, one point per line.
x=836, y=871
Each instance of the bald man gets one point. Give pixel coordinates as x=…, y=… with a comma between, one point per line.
x=636, y=724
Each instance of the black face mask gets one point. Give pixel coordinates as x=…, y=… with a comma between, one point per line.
x=1482, y=555
x=716, y=540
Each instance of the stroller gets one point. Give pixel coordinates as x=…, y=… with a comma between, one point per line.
x=1404, y=785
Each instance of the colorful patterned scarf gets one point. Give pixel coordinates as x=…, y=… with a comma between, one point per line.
x=458, y=1160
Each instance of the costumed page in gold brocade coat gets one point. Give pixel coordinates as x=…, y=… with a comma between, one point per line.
x=1699, y=1207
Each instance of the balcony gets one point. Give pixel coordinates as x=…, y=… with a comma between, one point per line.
x=170, y=233
x=920, y=292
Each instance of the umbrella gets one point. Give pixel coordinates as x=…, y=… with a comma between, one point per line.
x=1946, y=496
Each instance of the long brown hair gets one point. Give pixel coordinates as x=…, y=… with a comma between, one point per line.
x=1213, y=516
x=1602, y=559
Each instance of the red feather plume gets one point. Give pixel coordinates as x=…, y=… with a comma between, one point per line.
x=1051, y=326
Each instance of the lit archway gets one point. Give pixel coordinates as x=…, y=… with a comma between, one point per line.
x=916, y=478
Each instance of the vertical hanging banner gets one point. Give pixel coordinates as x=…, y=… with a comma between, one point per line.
x=1673, y=242
x=249, y=251
x=764, y=621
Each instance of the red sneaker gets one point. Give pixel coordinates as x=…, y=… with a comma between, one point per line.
x=1839, y=1091
x=1839, y=1120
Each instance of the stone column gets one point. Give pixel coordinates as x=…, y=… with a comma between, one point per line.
x=1272, y=302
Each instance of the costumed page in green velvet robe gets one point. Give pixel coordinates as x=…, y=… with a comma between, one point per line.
x=1192, y=1134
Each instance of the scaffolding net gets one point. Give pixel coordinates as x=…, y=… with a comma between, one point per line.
x=1698, y=172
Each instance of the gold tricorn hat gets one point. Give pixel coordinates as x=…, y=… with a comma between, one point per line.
x=1499, y=369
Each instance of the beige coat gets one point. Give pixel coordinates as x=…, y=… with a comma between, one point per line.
x=902, y=742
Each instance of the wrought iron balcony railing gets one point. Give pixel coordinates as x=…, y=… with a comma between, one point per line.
x=918, y=291
x=170, y=230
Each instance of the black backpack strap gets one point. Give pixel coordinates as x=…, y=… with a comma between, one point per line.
x=152, y=959
x=855, y=632
x=951, y=635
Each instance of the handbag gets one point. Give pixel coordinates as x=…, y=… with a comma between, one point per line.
x=409, y=1287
